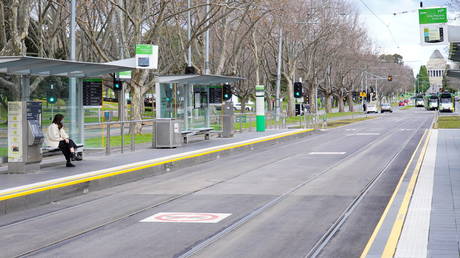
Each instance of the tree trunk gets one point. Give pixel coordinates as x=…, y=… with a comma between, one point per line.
x=311, y=98
x=291, y=99
x=135, y=107
x=351, y=106
x=341, y=104
x=328, y=103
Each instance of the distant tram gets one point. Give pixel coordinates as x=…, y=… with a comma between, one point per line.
x=446, y=102
x=419, y=102
x=431, y=102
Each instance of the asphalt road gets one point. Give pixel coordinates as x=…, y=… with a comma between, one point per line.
x=282, y=201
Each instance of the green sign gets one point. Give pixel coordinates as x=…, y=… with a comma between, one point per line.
x=144, y=49
x=432, y=15
x=260, y=87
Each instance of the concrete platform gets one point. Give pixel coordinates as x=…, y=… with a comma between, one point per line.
x=424, y=218
x=21, y=191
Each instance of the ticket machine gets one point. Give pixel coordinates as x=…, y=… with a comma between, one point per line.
x=25, y=136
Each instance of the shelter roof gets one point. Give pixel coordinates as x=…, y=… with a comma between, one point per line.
x=198, y=79
x=26, y=65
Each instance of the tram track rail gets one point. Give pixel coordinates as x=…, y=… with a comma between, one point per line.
x=194, y=250
x=207, y=242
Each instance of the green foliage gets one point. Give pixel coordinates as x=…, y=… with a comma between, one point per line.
x=423, y=82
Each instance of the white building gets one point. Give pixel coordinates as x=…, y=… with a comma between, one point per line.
x=436, y=67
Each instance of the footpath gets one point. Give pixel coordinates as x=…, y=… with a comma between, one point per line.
x=422, y=218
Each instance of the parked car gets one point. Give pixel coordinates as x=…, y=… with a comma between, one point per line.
x=371, y=108
x=237, y=107
x=385, y=107
x=402, y=104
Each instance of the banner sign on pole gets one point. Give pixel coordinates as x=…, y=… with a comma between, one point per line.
x=146, y=56
x=260, y=108
x=433, y=26
x=125, y=75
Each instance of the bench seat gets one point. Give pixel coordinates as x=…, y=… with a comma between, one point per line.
x=199, y=131
x=48, y=151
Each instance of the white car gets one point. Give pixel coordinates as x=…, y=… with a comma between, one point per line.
x=371, y=108
x=385, y=107
x=237, y=107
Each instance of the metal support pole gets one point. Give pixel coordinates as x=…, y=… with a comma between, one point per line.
x=25, y=87
x=278, y=77
x=189, y=32
x=72, y=81
x=121, y=115
x=206, y=61
x=107, y=139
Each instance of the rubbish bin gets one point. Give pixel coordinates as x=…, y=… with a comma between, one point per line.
x=167, y=133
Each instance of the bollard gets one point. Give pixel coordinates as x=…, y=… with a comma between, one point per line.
x=107, y=144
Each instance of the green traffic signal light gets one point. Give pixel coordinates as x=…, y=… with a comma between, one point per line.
x=51, y=99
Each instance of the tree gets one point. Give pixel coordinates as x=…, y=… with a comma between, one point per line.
x=423, y=82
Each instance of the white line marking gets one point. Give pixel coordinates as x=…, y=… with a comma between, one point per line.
x=186, y=217
x=327, y=153
x=367, y=134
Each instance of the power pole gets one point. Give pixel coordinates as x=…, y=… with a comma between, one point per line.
x=206, y=61
x=72, y=80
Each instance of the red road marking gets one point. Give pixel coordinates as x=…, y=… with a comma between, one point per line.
x=179, y=217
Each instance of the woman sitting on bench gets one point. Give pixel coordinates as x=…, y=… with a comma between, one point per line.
x=58, y=138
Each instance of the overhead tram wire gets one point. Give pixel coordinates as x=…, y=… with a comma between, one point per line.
x=380, y=19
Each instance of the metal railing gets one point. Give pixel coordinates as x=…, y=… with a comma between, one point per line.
x=106, y=127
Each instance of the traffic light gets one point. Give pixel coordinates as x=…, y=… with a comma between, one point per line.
x=390, y=78
x=297, y=89
x=51, y=98
x=168, y=94
x=117, y=84
x=227, y=92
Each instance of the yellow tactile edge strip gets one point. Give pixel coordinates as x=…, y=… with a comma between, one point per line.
x=95, y=175
x=393, y=238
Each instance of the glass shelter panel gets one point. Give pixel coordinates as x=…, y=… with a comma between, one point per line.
x=189, y=103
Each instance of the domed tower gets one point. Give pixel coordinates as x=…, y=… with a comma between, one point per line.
x=436, y=67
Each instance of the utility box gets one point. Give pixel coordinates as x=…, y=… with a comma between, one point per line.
x=168, y=133
x=227, y=124
x=25, y=136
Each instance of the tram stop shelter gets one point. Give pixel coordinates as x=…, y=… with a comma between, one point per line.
x=26, y=67
x=187, y=98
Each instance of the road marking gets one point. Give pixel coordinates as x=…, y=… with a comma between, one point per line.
x=186, y=217
x=395, y=192
x=362, y=134
x=327, y=153
x=367, y=134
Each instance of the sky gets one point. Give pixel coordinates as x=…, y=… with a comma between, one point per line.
x=403, y=27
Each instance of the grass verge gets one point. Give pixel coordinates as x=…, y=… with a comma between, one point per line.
x=406, y=107
x=448, y=122
x=337, y=123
